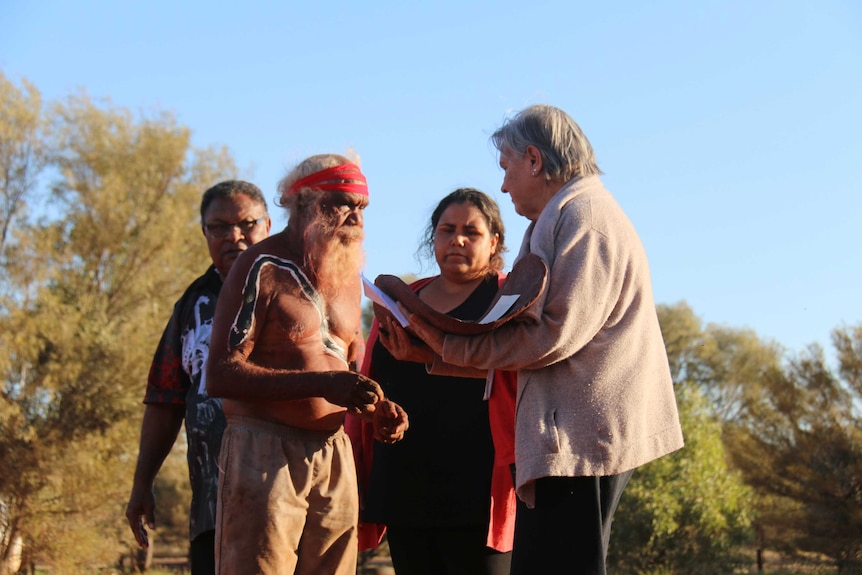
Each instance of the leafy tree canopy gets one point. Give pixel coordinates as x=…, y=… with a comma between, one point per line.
x=86, y=293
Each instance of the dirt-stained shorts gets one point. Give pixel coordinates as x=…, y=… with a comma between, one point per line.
x=287, y=501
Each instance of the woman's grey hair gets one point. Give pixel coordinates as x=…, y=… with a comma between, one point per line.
x=566, y=152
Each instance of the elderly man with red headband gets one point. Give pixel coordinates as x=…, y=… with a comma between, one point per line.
x=286, y=336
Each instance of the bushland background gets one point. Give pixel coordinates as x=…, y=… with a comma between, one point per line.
x=100, y=233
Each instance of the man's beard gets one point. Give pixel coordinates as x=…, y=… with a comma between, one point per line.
x=333, y=256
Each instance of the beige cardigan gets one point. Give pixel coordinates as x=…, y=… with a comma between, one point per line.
x=595, y=395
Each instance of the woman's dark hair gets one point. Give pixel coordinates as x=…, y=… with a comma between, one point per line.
x=490, y=211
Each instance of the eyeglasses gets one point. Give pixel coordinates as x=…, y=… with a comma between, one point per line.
x=221, y=230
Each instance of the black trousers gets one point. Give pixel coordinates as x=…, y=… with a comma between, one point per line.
x=444, y=551
x=202, y=554
x=569, y=528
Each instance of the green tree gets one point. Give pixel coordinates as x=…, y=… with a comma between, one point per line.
x=800, y=446
x=729, y=365
x=791, y=426
x=22, y=151
x=22, y=155
x=685, y=513
x=92, y=289
x=173, y=494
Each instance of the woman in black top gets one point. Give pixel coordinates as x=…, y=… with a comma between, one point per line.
x=433, y=489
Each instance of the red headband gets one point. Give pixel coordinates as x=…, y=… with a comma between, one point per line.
x=323, y=180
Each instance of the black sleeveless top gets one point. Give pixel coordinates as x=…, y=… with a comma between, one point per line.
x=440, y=473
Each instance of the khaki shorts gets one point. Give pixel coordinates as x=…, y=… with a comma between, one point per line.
x=287, y=501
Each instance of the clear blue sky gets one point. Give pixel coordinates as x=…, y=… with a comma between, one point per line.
x=729, y=131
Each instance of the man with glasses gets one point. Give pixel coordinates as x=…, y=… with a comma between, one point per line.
x=233, y=218
x=286, y=338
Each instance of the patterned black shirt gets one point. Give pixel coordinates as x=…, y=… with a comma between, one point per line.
x=178, y=377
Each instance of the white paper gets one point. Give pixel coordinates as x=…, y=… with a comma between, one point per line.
x=374, y=293
x=500, y=308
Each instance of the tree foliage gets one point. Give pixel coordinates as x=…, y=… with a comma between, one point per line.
x=791, y=426
x=22, y=151
x=729, y=365
x=173, y=494
x=801, y=446
x=685, y=513
x=90, y=289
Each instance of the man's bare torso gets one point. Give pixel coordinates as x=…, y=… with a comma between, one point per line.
x=282, y=322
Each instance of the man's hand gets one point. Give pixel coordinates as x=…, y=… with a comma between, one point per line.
x=141, y=506
x=359, y=394
x=401, y=344
x=390, y=422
